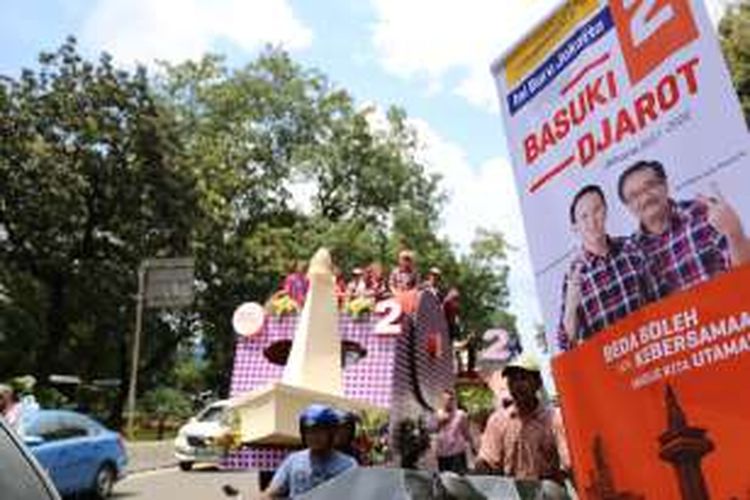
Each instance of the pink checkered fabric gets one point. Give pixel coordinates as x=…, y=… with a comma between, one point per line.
x=383, y=377
x=252, y=369
x=370, y=379
x=259, y=458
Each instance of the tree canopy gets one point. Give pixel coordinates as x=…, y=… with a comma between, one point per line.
x=91, y=181
x=734, y=34
x=102, y=167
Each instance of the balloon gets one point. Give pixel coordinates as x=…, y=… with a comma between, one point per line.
x=248, y=319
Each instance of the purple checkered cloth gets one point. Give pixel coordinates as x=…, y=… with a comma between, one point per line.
x=370, y=379
x=611, y=288
x=387, y=376
x=690, y=251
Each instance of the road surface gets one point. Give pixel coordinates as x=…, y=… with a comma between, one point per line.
x=173, y=484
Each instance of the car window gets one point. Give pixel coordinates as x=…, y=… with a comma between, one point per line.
x=211, y=414
x=73, y=425
x=19, y=477
x=57, y=426
x=79, y=425
x=44, y=425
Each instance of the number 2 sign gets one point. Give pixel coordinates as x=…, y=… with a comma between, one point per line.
x=650, y=31
x=390, y=323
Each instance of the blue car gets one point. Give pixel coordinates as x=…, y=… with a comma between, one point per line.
x=79, y=454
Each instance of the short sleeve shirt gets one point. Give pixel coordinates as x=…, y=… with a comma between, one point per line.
x=357, y=288
x=451, y=438
x=531, y=447
x=300, y=472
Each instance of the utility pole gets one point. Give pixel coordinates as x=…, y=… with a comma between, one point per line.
x=136, y=349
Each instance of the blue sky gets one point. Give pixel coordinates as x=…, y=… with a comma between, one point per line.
x=431, y=58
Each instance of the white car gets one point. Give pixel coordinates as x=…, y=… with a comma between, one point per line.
x=196, y=440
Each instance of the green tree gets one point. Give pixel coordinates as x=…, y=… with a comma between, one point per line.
x=734, y=34
x=164, y=403
x=250, y=134
x=101, y=168
x=91, y=182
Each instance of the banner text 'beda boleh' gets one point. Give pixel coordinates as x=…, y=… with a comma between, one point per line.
x=628, y=106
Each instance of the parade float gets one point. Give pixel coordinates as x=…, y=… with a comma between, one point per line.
x=394, y=357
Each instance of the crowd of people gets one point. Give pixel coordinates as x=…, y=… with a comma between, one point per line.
x=523, y=439
x=373, y=284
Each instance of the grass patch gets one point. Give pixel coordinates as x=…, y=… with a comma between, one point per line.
x=147, y=434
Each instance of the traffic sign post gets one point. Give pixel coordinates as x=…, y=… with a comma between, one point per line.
x=162, y=283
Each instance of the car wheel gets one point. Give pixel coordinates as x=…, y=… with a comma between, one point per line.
x=186, y=466
x=104, y=482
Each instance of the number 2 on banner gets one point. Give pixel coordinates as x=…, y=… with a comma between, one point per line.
x=390, y=324
x=646, y=19
x=650, y=31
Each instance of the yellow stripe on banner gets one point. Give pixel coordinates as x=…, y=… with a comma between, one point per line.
x=529, y=54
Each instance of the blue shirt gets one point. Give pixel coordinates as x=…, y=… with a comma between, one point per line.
x=300, y=472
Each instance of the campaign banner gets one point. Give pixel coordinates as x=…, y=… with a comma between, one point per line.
x=630, y=154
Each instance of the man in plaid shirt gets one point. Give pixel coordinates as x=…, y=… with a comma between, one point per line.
x=689, y=241
x=608, y=280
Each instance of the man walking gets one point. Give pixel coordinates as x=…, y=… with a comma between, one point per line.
x=526, y=441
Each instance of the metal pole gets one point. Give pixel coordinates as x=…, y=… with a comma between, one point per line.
x=136, y=349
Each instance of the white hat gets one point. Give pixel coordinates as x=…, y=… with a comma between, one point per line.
x=524, y=362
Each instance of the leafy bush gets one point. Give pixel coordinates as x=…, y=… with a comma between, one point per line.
x=165, y=403
x=372, y=438
x=476, y=399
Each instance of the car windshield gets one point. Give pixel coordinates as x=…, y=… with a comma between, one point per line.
x=211, y=414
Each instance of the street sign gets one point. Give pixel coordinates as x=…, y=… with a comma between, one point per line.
x=162, y=283
x=169, y=282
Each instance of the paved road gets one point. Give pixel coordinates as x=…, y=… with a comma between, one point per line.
x=173, y=484
x=149, y=455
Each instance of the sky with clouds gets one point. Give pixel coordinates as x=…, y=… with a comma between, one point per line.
x=431, y=58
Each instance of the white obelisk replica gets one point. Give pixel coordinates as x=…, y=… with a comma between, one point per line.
x=315, y=360
x=312, y=373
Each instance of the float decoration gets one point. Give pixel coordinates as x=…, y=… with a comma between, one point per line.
x=312, y=374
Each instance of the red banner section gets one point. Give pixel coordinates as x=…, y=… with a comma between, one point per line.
x=656, y=406
x=650, y=31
